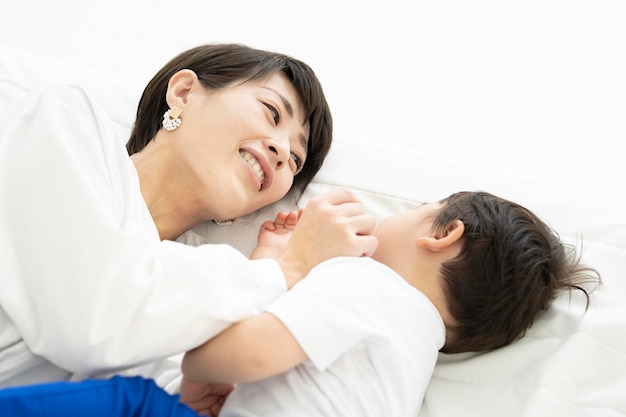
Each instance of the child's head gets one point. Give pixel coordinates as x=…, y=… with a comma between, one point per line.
x=511, y=266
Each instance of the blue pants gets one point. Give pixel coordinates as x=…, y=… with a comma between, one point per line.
x=115, y=397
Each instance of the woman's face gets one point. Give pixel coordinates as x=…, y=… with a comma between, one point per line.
x=245, y=143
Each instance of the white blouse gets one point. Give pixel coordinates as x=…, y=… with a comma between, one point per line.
x=86, y=285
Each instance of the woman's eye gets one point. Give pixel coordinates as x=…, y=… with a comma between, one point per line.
x=297, y=162
x=274, y=112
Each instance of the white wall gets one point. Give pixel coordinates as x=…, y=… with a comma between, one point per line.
x=536, y=87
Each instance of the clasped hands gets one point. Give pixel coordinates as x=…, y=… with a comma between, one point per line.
x=332, y=224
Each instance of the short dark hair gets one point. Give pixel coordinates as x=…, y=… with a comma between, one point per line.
x=218, y=66
x=510, y=268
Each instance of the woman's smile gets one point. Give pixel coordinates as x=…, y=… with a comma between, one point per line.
x=259, y=166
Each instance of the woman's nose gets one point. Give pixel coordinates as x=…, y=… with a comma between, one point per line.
x=279, y=153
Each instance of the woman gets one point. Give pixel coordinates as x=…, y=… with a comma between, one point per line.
x=91, y=279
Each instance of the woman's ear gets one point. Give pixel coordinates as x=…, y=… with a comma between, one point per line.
x=452, y=233
x=179, y=87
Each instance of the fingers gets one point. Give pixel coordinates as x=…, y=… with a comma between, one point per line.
x=293, y=218
x=342, y=214
x=332, y=224
x=363, y=224
x=350, y=209
x=367, y=245
x=358, y=230
x=286, y=220
x=340, y=202
x=347, y=209
x=268, y=225
x=339, y=196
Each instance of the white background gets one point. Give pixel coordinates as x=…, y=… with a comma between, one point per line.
x=527, y=97
x=536, y=87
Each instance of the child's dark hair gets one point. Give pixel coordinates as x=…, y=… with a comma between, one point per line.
x=511, y=267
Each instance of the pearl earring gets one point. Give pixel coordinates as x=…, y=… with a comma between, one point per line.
x=171, y=121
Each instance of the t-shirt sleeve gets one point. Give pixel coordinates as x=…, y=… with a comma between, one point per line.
x=338, y=304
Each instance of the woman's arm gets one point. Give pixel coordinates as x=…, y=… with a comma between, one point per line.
x=250, y=350
x=86, y=281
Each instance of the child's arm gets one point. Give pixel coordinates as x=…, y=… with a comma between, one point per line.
x=247, y=351
x=255, y=348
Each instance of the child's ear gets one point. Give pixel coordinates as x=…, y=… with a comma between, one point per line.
x=440, y=242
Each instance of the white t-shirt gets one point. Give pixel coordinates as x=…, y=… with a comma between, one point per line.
x=372, y=340
x=86, y=285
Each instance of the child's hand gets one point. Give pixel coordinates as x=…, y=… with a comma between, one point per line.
x=204, y=397
x=274, y=235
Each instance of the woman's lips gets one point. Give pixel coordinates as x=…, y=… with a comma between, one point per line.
x=259, y=167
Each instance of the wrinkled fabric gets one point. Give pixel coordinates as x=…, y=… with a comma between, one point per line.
x=87, y=285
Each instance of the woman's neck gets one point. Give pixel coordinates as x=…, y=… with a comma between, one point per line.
x=172, y=203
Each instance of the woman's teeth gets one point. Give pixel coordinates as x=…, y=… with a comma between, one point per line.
x=254, y=164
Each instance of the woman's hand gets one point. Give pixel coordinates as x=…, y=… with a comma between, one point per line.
x=205, y=398
x=332, y=224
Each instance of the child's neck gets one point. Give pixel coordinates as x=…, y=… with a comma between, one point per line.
x=427, y=279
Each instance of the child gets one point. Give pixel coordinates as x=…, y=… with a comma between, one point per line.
x=360, y=336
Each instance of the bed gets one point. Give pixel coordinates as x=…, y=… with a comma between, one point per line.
x=526, y=100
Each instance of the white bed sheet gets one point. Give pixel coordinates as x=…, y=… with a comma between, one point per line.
x=524, y=100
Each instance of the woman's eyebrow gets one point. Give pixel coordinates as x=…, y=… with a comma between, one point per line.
x=302, y=139
x=286, y=102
